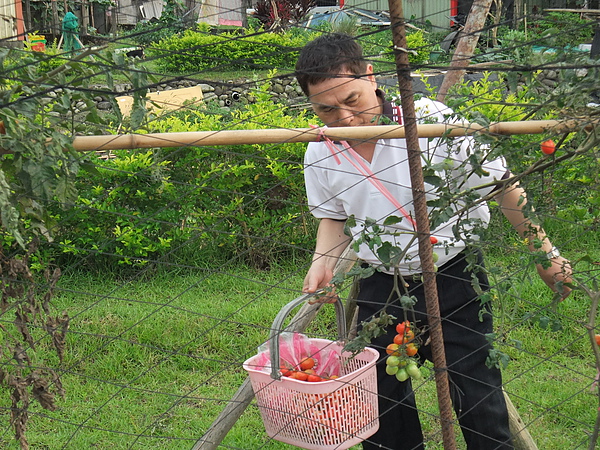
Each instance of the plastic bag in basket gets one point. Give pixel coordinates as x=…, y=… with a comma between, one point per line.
x=296, y=347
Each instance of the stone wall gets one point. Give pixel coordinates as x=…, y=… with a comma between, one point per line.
x=225, y=94
x=286, y=90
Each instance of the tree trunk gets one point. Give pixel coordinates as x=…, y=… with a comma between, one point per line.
x=246, y=4
x=467, y=43
x=85, y=18
x=56, y=27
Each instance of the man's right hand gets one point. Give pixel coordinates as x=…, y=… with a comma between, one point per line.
x=318, y=277
x=331, y=242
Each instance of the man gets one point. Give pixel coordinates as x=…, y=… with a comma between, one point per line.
x=369, y=179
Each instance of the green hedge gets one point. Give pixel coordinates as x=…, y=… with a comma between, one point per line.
x=197, y=51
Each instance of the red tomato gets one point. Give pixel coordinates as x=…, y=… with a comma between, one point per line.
x=307, y=363
x=404, y=338
x=285, y=371
x=433, y=240
x=392, y=349
x=411, y=349
x=548, y=147
x=598, y=339
x=313, y=378
x=302, y=376
x=402, y=326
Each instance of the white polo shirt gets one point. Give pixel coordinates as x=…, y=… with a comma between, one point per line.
x=337, y=190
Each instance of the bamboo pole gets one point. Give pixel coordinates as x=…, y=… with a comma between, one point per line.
x=280, y=136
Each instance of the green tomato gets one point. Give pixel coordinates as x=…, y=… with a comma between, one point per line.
x=392, y=360
x=391, y=370
x=402, y=375
x=436, y=257
x=413, y=371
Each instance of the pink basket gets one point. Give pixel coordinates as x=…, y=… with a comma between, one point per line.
x=332, y=414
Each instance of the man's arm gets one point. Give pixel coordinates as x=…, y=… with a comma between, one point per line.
x=512, y=199
x=331, y=242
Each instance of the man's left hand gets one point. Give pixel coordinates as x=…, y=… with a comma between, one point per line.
x=559, y=271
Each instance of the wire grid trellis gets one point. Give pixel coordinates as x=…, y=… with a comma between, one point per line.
x=155, y=346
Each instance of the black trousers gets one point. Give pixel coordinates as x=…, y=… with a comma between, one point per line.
x=475, y=389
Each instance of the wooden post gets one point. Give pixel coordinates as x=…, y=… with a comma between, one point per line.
x=27, y=14
x=522, y=440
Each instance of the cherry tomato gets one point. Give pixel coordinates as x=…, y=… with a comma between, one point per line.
x=314, y=378
x=392, y=349
x=411, y=349
x=402, y=326
x=598, y=339
x=302, y=376
x=392, y=360
x=402, y=375
x=433, y=240
x=391, y=370
x=548, y=147
x=307, y=363
x=413, y=371
x=404, y=338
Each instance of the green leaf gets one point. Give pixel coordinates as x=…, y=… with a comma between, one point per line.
x=392, y=220
x=138, y=114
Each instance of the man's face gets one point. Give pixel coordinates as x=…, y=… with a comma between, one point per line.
x=345, y=100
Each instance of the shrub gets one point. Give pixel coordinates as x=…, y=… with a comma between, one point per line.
x=378, y=47
x=224, y=202
x=561, y=29
x=125, y=209
x=568, y=190
x=198, y=51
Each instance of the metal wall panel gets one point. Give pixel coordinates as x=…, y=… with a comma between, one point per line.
x=434, y=11
x=8, y=20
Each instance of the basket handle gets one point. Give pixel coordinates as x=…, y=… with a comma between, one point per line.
x=278, y=323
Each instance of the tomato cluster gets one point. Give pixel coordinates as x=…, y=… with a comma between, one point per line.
x=304, y=371
x=401, y=361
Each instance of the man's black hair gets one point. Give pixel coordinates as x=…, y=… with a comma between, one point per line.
x=326, y=57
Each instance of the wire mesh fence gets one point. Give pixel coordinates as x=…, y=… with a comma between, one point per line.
x=138, y=277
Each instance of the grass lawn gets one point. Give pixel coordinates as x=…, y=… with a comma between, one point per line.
x=152, y=360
